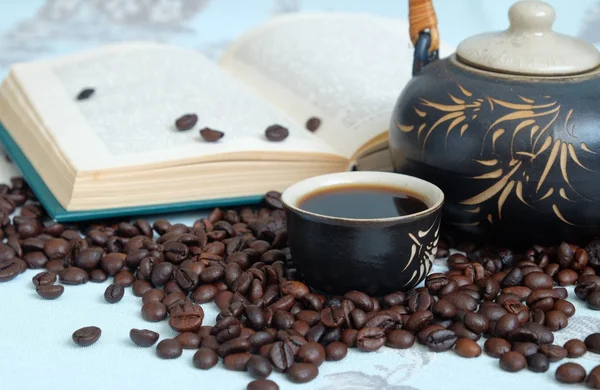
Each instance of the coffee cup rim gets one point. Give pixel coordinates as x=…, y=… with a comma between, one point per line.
x=432, y=195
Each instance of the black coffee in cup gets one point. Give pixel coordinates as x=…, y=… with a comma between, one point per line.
x=362, y=202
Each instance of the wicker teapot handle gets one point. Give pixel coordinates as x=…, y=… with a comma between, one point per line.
x=424, y=32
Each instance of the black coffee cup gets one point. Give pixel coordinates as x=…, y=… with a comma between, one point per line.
x=378, y=256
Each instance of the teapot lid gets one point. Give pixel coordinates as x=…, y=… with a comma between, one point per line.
x=529, y=46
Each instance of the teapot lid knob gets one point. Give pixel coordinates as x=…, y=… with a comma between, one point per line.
x=531, y=16
x=529, y=46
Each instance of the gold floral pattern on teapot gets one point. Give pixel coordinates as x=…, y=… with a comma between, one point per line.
x=549, y=125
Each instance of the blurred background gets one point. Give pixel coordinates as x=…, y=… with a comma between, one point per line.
x=31, y=29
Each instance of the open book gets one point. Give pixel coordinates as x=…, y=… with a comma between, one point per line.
x=118, y=152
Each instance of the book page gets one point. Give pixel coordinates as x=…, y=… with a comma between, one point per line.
x=140, y=90
x=347, y=69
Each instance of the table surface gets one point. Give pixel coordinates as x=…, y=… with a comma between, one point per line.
x=35, y=335
x=37, y=350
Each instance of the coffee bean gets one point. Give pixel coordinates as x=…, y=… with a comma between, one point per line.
x=496, y=347
x=512, y=361
x=526, y=349
x=426, y=331
x=162, y=273
x=73, y=276
x=169, y=349
x=281, y=355
x=187, y=319
x=302, y=372
x=186, y=122
x=419, y=320
x=98, y=276
x=311, y=353
x=143, y=337
x=205, y=359
x=50, y=291
x=570, y=373
x=593, y=300
x=513, y=278
x=467, y=348
x=556, y=320
x=88, y=258
x=262, y=384
x=564, y=306
x=420, y=301
x=554, y=353
x=86, y=336
x=505, y=325
x=124, y=278
x=36, y=260
x=44, y=278
x=276, y=133
x=575, y=348
x=56, y=248
x=188, y=340
x=333, y=317
x=259, y=367
x=444, y=309
x=313, y=123
x=461, y=331
x=154, y=311
x=567, y=277
x=532, y=332
x=441, y=340
x=236, y=361
x=592, y=342
x=210, y=342
x=538, y=362
x=211, y=135
x=370, y=339
x=114, y=293
x=593, y=379
x=462, y=301
x=477, y=323
x=582, y=290
x=85, y=93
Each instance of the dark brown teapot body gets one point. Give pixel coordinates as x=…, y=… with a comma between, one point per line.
x=517, y=155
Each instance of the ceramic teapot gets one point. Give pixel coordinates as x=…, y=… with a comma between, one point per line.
x=508, y=126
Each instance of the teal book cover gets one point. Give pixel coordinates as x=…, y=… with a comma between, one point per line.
x=57, y=212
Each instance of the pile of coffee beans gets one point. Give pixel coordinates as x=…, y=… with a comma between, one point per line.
x=270, y=321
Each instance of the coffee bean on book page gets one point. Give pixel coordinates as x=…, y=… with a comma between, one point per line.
x=87, y=336
x=313, y=123
x=276, y=133
x=85, y=93
x=211, y=135
x=186, y=122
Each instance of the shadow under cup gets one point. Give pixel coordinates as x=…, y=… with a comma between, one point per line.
x=377, y=256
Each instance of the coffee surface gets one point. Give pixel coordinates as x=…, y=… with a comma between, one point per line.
x=362, y=202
